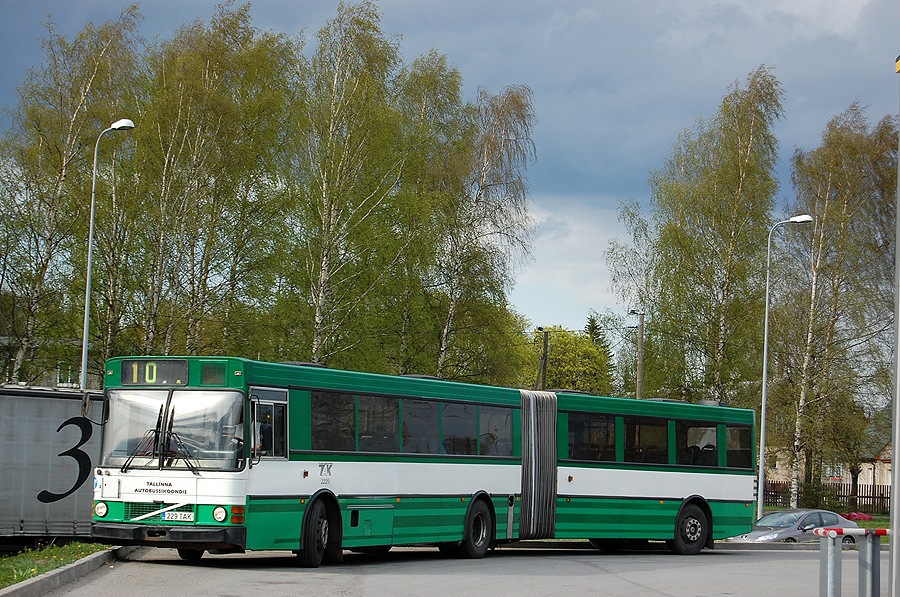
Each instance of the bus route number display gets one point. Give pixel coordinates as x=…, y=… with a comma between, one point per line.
x=148, y=372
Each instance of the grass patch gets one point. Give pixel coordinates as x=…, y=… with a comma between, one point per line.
x=878, y=522
x=34, y=562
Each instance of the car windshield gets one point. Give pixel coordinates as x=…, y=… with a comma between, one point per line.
x=188, y=429
x=779, y=520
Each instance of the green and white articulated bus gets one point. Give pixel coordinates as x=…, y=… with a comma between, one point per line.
x=227, y=455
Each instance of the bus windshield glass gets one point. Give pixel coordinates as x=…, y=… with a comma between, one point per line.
x=181, y=429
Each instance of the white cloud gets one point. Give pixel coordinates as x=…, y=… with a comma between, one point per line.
x=568, y=276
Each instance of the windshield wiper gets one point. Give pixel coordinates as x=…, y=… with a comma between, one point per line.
x=181, y=450
x=149, y=443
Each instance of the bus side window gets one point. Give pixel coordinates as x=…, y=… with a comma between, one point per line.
x=592, y=436
x=738, y=447
x=646, y=440
x=333, y=421
x=378, y=424
x=459, y=429
x=279, y=426
x=696, y=443
x=264, y=430
x=269, y=435
x=421, y=427
x=495, y=439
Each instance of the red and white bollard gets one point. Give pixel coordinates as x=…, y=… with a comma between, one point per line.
x=831, y=541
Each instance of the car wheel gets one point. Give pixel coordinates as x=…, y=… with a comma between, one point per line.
x=848, y=539
x=790, y=540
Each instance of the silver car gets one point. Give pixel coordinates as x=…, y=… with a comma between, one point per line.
x=791, y=526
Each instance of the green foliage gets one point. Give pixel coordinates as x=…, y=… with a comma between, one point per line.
x=334, y=205
x=832, y=342
x=45, y=182
x=694, y=265
x=34, y=562
x=576, y=360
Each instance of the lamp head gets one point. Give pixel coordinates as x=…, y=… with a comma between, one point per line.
x=122, y=125
x=801, y=219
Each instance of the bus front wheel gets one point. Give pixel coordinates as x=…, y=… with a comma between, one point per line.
x=691, y=531
x=315, y=536
x=478, y=530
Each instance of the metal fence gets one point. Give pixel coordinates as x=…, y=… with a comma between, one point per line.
x=871, y=499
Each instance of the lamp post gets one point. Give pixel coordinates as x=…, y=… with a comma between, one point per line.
x=761, y=463
x=894, y=569
x=120, y=125
x=541, y=382
x=639, y=382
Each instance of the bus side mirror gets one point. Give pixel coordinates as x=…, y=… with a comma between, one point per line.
x=86, y=407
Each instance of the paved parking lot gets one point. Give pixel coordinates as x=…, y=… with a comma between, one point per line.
x=511, y=570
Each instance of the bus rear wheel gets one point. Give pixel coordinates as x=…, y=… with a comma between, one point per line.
x=691, y=531
x=478, y=530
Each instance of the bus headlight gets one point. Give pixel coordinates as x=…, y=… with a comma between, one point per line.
x=100, y=509
x=220, y=514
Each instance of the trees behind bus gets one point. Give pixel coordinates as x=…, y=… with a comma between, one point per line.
x=329, y=204
x=697, y=264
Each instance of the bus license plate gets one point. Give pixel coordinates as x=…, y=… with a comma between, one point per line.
x=178, y=516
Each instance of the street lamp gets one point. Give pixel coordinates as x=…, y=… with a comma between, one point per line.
x=639, y=383
x=541, y=382
x=120, y=125
x=761, y=463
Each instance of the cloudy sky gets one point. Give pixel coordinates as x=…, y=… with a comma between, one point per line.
x=614, y=82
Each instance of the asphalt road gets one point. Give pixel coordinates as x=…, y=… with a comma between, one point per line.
x=511, y=570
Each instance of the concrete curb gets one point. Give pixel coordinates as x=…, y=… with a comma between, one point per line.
x=54, y=579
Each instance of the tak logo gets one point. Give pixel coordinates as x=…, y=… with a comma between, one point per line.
x=325, y=469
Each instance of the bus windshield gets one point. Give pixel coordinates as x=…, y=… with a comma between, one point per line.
x=181, y=429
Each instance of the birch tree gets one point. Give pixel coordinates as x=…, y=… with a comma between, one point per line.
x=486, y=226
x=343, y=173
x=217, y=95
x=695, y=264
x=47, y=152
x=844, y=353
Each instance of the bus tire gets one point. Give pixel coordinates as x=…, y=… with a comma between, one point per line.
x=478, y=530
x=190, y=555
x=691, y=531
x=315, y=536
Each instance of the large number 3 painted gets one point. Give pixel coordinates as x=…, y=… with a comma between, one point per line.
x=82, y=458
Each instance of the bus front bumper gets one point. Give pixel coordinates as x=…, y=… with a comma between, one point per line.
x=194, y=537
